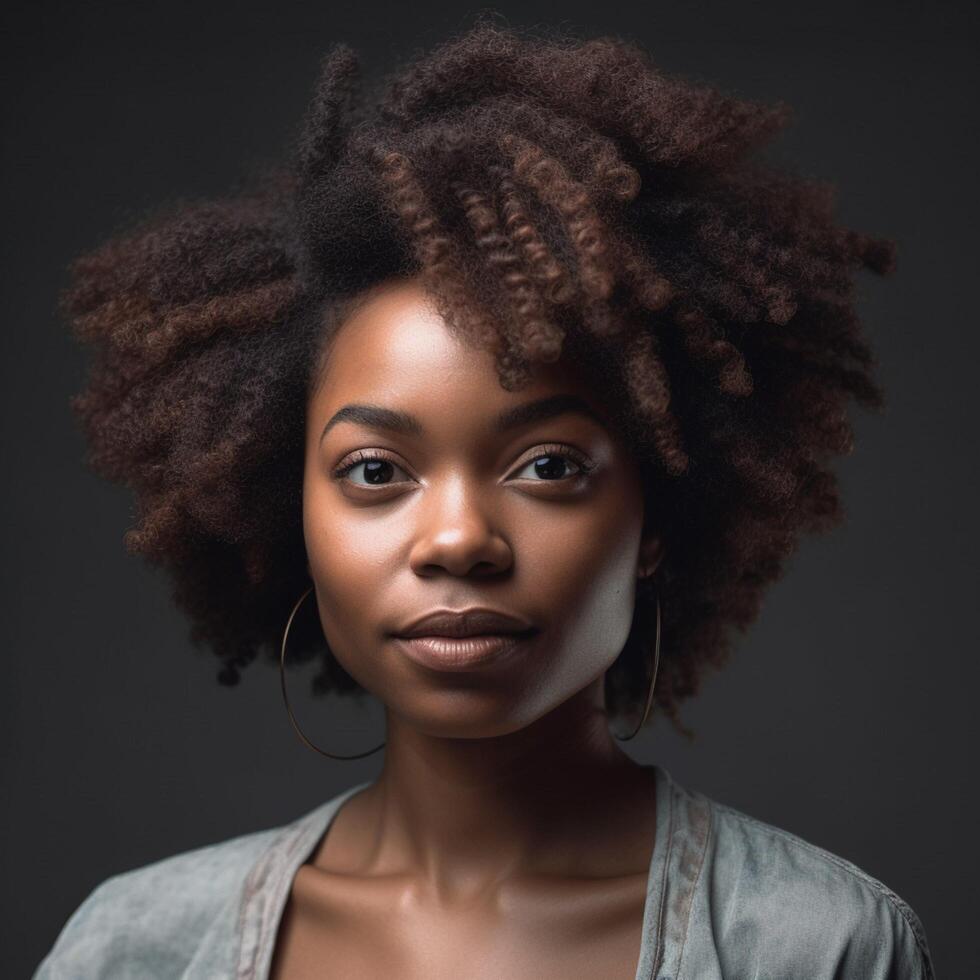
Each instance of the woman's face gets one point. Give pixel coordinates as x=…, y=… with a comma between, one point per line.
x=448, y=510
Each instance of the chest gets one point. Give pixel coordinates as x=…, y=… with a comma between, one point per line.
x=567, y=931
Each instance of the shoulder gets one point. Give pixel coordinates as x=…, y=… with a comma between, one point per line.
x=149, y=920
x=787, y=907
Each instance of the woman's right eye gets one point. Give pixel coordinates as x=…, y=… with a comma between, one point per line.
x=377, y=469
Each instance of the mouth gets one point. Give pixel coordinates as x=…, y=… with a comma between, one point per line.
x=464, y=639
x=463, y=623
x=446, y=653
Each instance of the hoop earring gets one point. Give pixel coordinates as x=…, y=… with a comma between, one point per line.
x=282, y=678
x=653, y=680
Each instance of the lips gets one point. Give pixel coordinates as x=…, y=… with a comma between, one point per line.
x=459, y=623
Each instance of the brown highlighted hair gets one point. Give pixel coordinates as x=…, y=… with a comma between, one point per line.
x=559, y=196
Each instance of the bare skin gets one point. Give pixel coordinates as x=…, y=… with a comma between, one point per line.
x=508, y=834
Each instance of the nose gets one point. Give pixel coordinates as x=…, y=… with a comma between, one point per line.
x=458, y=532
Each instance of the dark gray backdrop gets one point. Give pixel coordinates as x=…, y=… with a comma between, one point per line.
x=846, y=715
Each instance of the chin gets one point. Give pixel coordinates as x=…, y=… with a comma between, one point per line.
x=472, y=713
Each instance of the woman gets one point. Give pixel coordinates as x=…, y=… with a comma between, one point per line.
x=518, y=385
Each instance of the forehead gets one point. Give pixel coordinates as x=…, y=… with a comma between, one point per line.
x=395, y=350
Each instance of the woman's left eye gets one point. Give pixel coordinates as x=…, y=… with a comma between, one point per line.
x=554, y=466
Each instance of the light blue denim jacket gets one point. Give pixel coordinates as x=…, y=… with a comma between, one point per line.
x=728, y=896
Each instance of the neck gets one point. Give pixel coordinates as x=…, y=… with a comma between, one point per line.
x=555, y=797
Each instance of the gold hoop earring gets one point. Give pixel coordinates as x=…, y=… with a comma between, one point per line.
x=653, y=680
x=282, y=678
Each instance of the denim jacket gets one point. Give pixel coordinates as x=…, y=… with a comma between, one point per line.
x=728, y=896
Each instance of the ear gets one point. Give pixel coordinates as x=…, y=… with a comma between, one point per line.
x=652, y=551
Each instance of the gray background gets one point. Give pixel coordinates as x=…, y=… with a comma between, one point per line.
x=846, y=715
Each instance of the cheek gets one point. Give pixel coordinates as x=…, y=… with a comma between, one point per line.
x=586, y=581
x=348, y=560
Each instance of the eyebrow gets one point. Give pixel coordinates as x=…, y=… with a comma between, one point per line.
x=393, y=420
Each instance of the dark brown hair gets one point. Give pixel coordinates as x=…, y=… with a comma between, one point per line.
x=559, y=196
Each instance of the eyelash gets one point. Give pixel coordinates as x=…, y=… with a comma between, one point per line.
x=585, y=466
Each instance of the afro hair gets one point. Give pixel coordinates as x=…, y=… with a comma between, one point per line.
x=558, y=196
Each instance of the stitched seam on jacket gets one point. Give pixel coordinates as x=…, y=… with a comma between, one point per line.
x=694, y=887
x=658, y=953
x=251, y=892
x=302, y=839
